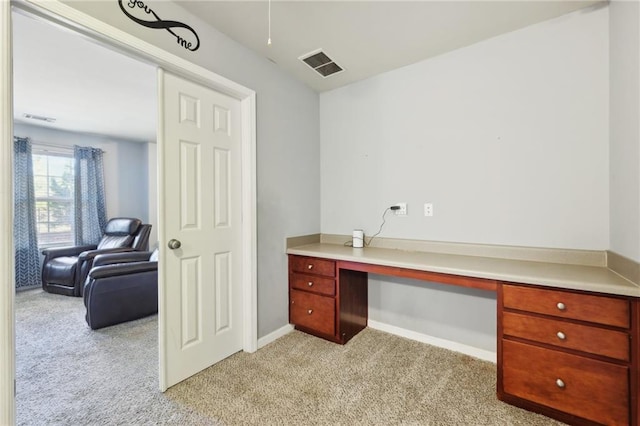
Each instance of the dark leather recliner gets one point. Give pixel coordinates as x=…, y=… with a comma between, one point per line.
x=121, y=287
x=65, y=269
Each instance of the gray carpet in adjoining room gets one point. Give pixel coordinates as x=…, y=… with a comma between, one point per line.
x=70, y=375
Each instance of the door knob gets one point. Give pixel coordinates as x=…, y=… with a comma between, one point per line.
x=174, y=244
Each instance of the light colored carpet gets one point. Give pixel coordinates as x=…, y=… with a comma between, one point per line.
x=70, y=375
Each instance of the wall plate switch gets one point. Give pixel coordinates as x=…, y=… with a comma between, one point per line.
x=428, y=209
x=402, y=211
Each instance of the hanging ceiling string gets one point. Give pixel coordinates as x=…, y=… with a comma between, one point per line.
x=269, y=39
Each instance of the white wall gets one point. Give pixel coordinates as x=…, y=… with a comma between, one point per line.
x=508, y=138
x=125, y=167
x=287, y=143
x=624, y=30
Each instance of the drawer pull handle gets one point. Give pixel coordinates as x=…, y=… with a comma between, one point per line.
x=310, y=283
x=310, y=311
x=561, y=335
x=309, y=266
x=561, y=306
x=560, y=383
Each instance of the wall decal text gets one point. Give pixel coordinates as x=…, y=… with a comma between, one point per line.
x=170, y=26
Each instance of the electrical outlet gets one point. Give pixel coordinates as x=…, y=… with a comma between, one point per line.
x=402, y=211
x=428, y=209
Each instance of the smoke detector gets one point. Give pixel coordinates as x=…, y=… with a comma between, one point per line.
x=321, y=63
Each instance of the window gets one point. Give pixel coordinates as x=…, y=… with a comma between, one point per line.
x=53, y=181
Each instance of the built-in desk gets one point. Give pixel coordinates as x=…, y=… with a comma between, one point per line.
x=567, y=334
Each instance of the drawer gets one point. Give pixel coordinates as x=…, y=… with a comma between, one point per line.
x=312, y=311
x=326, y=286
x=313, y=265
x=563, y=304
x=595, y=390
x=593, y=340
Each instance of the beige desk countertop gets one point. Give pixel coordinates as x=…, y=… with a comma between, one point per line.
x=573, y=277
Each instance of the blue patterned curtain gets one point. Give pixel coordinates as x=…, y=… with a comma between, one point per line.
x=90, y=209
x=25, y=235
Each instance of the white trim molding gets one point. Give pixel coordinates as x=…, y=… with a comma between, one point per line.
x=162, y=297
x=249, y=223
x=482, y=354
x=7, y=287
x=275, y=335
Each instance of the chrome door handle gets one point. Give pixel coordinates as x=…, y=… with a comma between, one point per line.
x=174, y=244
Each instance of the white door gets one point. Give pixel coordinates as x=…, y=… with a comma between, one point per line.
x=201, y=281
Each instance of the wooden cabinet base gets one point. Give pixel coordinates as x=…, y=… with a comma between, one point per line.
x=312, y=311
x=330, y=337
x=325, y=301
x=577, y=385
x=568, y=355
x=546, y=411
x=353, y=304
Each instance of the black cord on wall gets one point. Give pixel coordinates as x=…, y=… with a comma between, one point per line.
x=384, y=220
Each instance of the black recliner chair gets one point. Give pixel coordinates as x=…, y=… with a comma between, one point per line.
x=65, y=269
x=121, y=287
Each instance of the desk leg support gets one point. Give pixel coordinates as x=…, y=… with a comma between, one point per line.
x=353, y=303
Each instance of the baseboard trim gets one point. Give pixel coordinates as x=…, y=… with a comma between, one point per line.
x=273, y=336
x=402, y=332
x=435, y=341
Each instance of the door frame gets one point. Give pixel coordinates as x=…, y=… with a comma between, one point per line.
x=114, y=38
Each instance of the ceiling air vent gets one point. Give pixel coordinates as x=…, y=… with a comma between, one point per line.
x=321, y=63
x=40, y=118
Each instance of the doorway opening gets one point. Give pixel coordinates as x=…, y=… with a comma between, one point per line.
x=87, y=92
x=64, y=15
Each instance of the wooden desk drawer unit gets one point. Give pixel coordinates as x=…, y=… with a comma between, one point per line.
x=313, y=312
x=592, y=340
x=581, y=386
x=584, y=307
x=566, y=354
x=318, y=305
x=325, y=286
x=312, y=265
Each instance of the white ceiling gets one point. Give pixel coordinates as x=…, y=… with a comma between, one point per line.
x=86, y=87
x=368, y=37
x=89, y=88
